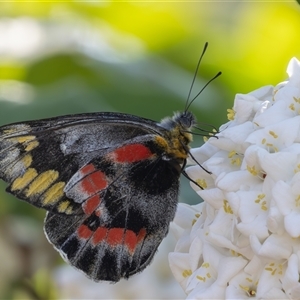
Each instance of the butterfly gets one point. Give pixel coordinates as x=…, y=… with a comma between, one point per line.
x=109, y=183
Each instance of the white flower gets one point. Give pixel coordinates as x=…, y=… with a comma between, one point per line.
x=243, y=241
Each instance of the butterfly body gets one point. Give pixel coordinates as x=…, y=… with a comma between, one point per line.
x=109, y=182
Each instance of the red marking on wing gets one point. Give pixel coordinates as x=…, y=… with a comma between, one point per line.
x=87, y=169
x=131, y=153
x=94, y=183
x=141, y=235
x=90, y=205
x=130, y=240
x=84, y=232
x=115, y=236
x=99, y=235
x=118, y=236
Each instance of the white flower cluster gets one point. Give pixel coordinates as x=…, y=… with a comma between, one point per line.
x=243, y=241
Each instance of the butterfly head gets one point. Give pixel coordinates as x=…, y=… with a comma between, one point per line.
x=183, y=121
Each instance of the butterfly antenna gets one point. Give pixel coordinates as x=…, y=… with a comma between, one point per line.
x=209, y=81
x=187, y=105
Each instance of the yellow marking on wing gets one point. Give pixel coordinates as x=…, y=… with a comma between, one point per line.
x=9, y=131
x=54, y=193
x=69, y=210
x=23, y=139
x=29, y=141
x=42, y=182
x=22, y=181
x=63, y=207
x=17, y=128
x=31, y=145
x=27, y=160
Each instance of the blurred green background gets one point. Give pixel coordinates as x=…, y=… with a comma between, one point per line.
x=136, y=57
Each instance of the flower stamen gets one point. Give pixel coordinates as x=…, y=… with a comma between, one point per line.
x=296, y=99
x=249, y=291
x=298, y=169
x=187, y=273
x=274, y=269
x=195, y=220
x=292, y=107
x=273, y=134
x=235, y=158
x=263, y=204
x=230, y=114
x=202, y=183
x=252, y=170
x=207, y=275
x=227, y=207
x=234, y=253
x=201, y=278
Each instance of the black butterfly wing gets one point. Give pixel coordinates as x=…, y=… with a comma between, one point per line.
x=37, y=158
x=123, y=223
x=104, y=180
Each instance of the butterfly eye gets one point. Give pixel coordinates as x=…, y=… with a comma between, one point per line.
x=186, y=120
